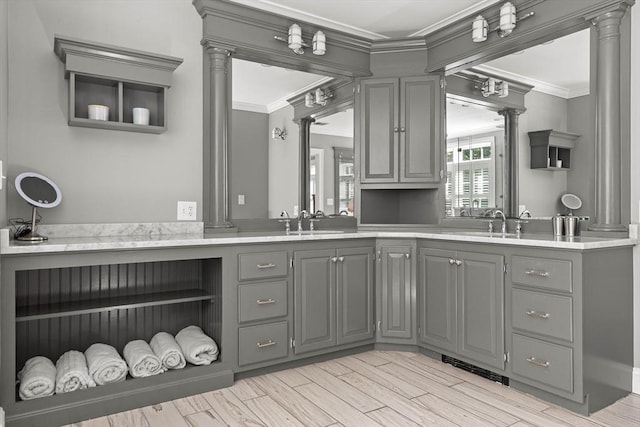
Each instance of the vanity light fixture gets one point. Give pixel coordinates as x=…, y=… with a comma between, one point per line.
x=277, y=133
x=318, y=97
x=492, y=86
x=297, y=44
x=508, y=20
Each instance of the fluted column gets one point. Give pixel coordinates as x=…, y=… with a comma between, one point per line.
x=608, y=207
x=216, y=191
x=510, y=170
x=305, y=135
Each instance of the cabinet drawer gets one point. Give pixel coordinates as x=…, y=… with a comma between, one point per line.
x=543, y=362
x=542, y=313
x=262, y=301
x=262, y=265
x=541, y=272
x=263, y=342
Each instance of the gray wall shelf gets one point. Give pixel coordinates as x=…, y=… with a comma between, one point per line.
x=551, y=150
x=119, y=78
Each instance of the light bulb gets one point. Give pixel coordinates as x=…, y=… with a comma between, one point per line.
x=319, y=43
x=479, y=29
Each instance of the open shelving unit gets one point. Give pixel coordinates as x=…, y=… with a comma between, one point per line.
x=551, y=150
x=118, y=78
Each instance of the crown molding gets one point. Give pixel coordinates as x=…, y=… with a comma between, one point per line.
x=471, y=10
x=404, y=44
x=283, y=102
x=246, y=106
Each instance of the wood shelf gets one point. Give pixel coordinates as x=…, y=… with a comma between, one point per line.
x=72, y=308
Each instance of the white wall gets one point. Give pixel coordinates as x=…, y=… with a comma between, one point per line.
x=105, y=175
x=283, y=164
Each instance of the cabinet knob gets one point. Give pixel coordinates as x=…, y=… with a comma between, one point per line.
x=458, y=262
x=334, y=259
x=452, y=261
x=407, y=255
x=395, y=129
x=402, y=130
x=341, y=258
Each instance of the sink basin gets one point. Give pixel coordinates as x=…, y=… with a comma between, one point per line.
x=486, y=234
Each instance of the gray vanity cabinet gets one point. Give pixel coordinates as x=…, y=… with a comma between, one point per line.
x=333, y=297
x=462, y=304
x=400, y=130
x=396, y=298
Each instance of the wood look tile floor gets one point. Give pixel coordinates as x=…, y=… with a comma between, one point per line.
x=376, y=388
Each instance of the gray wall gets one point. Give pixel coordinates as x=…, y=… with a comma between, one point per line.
x=105, y=175
x=248, y=171
x=283, y=163
x=327, y=143
x=581, y=177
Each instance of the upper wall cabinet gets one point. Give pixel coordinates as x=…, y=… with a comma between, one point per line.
x=400, y=130
x=115, y=81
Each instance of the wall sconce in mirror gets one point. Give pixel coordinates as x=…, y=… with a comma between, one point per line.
x=508, y=20
x=319, y=97
x=297, y=44
x=278, y=133
x=492, y=86
x=40, y=192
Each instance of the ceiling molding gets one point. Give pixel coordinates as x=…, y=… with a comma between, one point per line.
x=471, y=10
x=254, y=108
x=398, y=45
x=309, y=17
x=283, y=102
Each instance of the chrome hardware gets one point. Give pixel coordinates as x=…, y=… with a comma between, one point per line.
x=263, y=266
x=490, y=224
x=334, y=259
x=537, y=273
x=395, y=129
x=341, y=258
x=264, y=344
x=497, y=212
x=402, y=130
x=379, y=255
x=533, y=313
x=541, y=363
x=266, y=301
x=378, y=324
x=458, y=262
x=452, y=261
x=407, y=255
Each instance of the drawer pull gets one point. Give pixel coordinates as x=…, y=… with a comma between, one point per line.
x=266, y=301
x=538, y=315
x=539, y=273
x=264, y=344
x=264, y=266
x=534, y=361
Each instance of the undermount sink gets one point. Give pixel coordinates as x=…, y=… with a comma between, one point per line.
x=487, y=234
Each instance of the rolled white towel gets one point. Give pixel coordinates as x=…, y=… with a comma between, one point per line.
x=197, y=347
x=72, y=372
x=105, y=364
x=142, y=362
x=37, y=378
x=166, y=347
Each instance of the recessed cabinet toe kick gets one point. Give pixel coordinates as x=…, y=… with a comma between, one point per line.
x=555, y=322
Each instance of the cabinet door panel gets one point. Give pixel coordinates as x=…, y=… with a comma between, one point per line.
x=481, y=308
x=378, y=119
x=315, y=310
x=396, y=304
x=437, y=287
x=420, y=125
x=355, y=295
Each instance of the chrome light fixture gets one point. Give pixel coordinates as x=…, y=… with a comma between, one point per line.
x=297, y=44
x=277, y=133
x=507, y=23
x=492, y=86
x=318, y=97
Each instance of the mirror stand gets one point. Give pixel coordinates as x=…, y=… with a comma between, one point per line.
x=32, y=235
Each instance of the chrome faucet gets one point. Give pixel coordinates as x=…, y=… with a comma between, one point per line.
x=302, y=215
x=524, y=214
x=497, y=212
x=287, y=221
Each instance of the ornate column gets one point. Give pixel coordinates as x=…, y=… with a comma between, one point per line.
x=305, y=132
x=608, y=208
x=216, y=133
x=510, y=170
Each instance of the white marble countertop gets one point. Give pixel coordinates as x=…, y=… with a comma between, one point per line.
x=168, y=238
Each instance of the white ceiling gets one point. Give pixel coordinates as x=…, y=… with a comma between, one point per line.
x=559, y=68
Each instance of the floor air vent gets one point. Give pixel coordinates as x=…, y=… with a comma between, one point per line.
x=475, y=370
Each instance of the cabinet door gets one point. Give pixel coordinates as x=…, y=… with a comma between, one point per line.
x=437, y=293
x=314, y=306
x=355, y=294
x=396, y=307
x=481, y=308
x=421, y=129
x=379, y=130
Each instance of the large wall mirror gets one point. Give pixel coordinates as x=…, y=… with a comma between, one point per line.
x=560, y=99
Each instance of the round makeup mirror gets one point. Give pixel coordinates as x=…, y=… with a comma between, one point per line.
x=571, y=201
x=40, y=192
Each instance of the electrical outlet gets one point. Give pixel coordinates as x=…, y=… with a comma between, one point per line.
x=241, y=199
x=187, y=211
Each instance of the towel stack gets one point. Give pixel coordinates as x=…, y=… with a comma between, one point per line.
x=101, y=364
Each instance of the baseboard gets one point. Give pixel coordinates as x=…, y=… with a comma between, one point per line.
x=635, y=385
